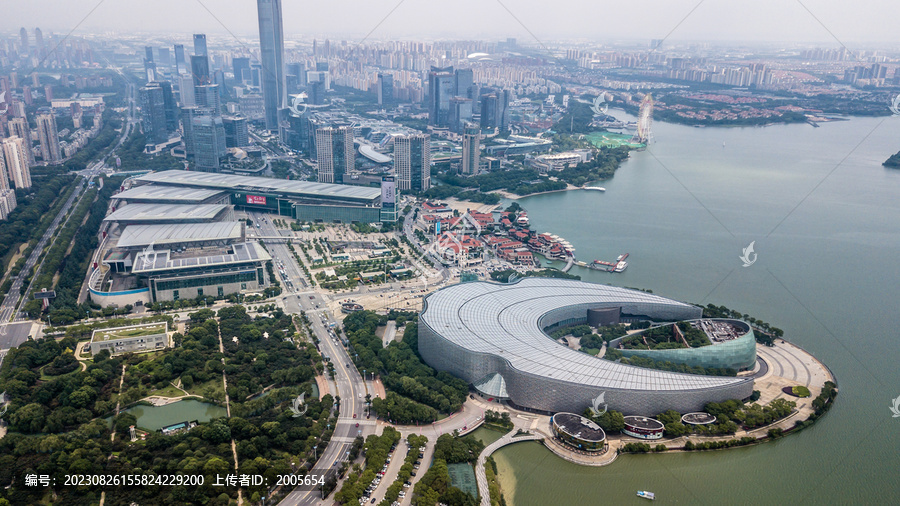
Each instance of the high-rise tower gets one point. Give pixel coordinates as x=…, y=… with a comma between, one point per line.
x=180, y=65
x=200, y=44
x=23, y=36
x=271, y=49
x=385, y=89
x=153, y=113
x=38, y=39
x=441, y=83
x=412, y=162
x=200, y=70
x=12, y=155
x=335, y=153
x=241, y=66
x=471, y=152
x=18, y=127
x=49, y=137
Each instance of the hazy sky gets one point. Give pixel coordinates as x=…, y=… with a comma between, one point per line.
x=851, y=21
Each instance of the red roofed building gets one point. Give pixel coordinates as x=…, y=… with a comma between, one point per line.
x=509, y=245
x=495, y=240
x=519, y=235
x=517, y=256
x=428, y=221
x=449, y=249
x=436, y=208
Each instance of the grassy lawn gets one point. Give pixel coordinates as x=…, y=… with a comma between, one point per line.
x=118, y=333
x=217, y=388
x=45, y=376
x=801, y=391
x=591, y=351
x=169, y=391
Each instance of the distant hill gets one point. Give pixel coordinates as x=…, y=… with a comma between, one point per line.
x=893, y=161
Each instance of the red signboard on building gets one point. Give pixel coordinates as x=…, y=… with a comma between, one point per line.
x=256, y=199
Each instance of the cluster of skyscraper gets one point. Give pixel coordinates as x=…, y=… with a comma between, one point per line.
x=454, y=98
x=206, y=133
x=53, y=51
x=16, y=135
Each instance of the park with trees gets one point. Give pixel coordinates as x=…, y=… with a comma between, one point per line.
x=60, y=411
x=415, y=391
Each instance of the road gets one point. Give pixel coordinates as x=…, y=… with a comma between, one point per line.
x=8, y=309
x=408, y=231
x=350, y=385
x=10, y=306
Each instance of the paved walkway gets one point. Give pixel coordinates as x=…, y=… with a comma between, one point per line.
x=480, y=473
x=322, y=384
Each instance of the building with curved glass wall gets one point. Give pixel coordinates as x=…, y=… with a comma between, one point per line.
x=478, y=331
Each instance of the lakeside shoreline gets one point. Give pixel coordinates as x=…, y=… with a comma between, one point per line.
x=512, y=196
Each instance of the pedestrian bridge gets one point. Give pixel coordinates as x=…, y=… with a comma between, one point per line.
x=481, y=475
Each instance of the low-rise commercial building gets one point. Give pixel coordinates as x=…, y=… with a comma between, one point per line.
x=132, y=339
x=173, y=276
x=643, y=427
x=578, y=432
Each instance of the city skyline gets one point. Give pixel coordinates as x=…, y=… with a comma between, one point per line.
x=527, y=20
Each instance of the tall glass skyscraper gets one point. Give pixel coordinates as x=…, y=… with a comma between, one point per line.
x=412, y=162
x=200, y=44
x=335, y=154
x=153, y=113
x=241, y=66
x=385, y=89
x=271, y=49
x=441, y=83
x=200, y=70
x=180, y=65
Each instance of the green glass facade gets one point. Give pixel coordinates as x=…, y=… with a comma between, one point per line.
x=736, y=354
x=174, y=286
x=221, y=279
x=332, y=214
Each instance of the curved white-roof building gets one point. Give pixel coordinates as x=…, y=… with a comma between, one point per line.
x=492, y=336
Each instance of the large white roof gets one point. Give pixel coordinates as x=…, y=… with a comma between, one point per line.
x=504, y=320
x=149, y=262
x=166, y=193
x=262, y=185
x=173, y=233
x=167, y=212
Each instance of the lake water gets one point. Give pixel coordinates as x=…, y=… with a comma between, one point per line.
x=825, y=218
x=156, y=417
